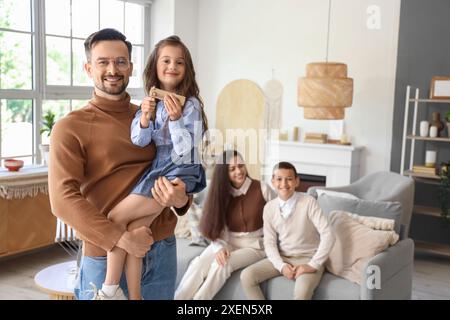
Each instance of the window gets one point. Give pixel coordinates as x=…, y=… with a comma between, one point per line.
x=42, y=59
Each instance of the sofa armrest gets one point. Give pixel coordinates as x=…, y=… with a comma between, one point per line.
x=388, y=275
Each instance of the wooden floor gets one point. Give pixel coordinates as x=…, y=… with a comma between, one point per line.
x=431, y=275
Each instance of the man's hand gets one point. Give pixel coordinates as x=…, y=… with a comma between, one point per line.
x=303, y=268
x=170, y=193
x=288, y=271
x=136, y=242
x=222, y=256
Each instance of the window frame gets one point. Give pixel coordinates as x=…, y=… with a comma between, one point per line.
x=40, y=91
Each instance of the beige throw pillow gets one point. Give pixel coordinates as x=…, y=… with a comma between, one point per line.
x=355, y=244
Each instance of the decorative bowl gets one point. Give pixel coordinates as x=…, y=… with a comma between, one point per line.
x=13, y=164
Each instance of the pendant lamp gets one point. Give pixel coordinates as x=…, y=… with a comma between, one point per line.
x=326, y=90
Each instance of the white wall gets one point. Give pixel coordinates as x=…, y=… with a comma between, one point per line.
x=162, y=20
x=247, y=39
x=180, y=17
x=186, y=24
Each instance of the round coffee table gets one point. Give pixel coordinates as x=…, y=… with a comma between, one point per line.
x=58, y=280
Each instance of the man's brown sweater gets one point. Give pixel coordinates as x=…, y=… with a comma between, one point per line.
x=94, y=165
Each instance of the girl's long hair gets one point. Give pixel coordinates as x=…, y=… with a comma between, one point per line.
x=213, y=219
x=188, y=86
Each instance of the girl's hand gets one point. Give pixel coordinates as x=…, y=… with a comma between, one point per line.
x=222, y=257
x=173, y=107
x=148, y=108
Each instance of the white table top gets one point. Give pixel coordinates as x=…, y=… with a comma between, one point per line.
x=58, y=278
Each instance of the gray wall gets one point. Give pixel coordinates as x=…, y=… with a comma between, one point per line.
x=423, y=52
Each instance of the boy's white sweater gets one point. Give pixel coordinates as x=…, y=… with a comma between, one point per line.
x=306, y=232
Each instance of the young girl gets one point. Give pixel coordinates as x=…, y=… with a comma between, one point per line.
x=176, y=131
x=233, y=220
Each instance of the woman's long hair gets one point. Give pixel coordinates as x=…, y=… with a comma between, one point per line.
x=215, y=209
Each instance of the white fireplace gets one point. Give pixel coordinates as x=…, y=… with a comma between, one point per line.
x=338, y=163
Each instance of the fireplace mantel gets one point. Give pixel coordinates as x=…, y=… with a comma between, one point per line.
x=338, y=163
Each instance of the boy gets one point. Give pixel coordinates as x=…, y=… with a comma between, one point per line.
x=297, y=239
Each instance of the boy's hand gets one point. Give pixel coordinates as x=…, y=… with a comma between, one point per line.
x=173, y=107
x=148, y=108
x=288, y=271
x=303, y=268
x=222, y=257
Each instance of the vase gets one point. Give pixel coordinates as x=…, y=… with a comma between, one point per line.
x=436, y=121
x=45, y=150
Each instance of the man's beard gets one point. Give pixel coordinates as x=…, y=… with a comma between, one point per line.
x=112, y=90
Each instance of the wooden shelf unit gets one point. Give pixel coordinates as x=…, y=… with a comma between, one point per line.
x=440, y=139
x=435, y=248
x=429, y=211
x=421, y=175
x=410, y=135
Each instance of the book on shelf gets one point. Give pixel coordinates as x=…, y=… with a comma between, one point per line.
x=425, y=170
x=311, y=140
x=312, y=135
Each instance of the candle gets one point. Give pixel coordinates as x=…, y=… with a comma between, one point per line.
x=430, y=159
x=433, y=131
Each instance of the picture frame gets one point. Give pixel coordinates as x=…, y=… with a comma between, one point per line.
x=440, y=88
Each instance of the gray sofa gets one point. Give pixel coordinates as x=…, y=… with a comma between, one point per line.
x=395, y=263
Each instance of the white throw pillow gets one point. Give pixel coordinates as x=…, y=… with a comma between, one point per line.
x=356, y=243
x=345, y=195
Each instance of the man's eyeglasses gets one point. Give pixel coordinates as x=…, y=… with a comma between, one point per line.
x=121, y=63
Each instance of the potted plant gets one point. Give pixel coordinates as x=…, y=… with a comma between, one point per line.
x=444, y=188
x=447, y=118
x=47, y=126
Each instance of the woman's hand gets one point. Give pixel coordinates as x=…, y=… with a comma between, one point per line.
x=222, y=256
x=303, y=268
x=173, y=107
x=170, y=193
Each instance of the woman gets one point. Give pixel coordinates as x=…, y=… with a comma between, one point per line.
x=233, y=222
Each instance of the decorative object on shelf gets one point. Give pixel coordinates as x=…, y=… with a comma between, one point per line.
x=430, y=158
x=283, y=135
x=440, y=88
x=436, y=121
x=326, y=90
x=13, y=164
x=447, y=118
x=433, y=132
x=294, y=134
x=47, y=127
x=444, y=188
x=273, y=91
x=424, y=126
x=316, y=137
x=424, y=169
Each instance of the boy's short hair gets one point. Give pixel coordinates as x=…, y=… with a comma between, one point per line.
x=103, y=35
x=284, y=165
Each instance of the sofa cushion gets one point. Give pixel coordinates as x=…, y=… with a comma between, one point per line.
x=380, y=209
x=355, y=244
x=330, y=287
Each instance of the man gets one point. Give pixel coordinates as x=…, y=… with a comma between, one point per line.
x=94, y=165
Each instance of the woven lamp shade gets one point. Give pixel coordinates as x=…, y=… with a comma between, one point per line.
x=325, y=91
